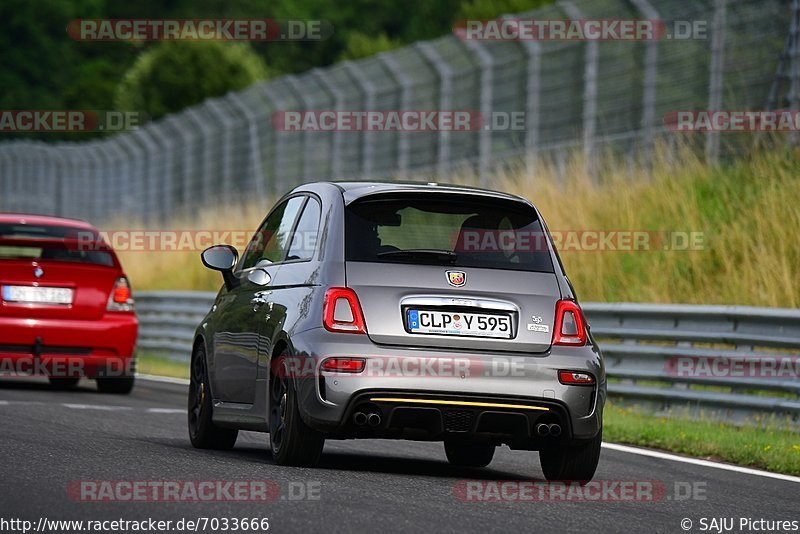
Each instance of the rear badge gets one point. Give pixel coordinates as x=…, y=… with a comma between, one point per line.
x=38, y=272
x=536, y=325
x=456, y=278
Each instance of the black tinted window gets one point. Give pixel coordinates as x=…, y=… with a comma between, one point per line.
x=272, y=239
x=304, y=240
x=447, y=230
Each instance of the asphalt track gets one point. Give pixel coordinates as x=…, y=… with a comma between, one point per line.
x=51, y=440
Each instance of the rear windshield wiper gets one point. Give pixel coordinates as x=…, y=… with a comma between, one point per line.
x=443, y=256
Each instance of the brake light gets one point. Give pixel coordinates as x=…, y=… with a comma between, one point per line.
x=342, y=311
x=344, y=365
x=570, y=326
x=575, y=378
x=120, y=298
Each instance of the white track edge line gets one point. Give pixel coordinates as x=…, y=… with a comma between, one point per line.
x=698, y=461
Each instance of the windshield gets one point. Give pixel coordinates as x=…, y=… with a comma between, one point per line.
x=447, y=230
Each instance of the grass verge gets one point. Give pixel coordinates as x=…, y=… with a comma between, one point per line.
x=766, y=446
x=148, y=363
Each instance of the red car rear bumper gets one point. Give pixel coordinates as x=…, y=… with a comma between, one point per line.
x=67, y=347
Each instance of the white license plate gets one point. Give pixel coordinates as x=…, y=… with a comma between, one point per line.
x=37, y=295
x=459, y=324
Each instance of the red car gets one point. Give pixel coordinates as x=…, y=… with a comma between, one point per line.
x=65, y=304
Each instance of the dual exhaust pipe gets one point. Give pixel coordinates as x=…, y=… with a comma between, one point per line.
x=544, y=430
x=372, y=419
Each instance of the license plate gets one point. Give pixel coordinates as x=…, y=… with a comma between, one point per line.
x=459, y=324
x=37, y=295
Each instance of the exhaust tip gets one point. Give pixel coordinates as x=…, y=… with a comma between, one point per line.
x=360, y=418
x=542, y=430
x=374, y=419
x=555, y=430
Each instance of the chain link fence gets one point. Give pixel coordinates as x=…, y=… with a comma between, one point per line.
x=596, y=97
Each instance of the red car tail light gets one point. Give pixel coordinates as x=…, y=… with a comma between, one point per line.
x=570, y=326
x=342, y=311
x=344, y=365
x=575, y=378
x=120, y=298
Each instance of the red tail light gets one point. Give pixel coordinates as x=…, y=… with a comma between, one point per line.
x=120, y=298
x=344, y=365
x=342, y=311
x=570, y=326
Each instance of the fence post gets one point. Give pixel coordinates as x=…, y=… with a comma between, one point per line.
x=533, y=52
x=224, y=119
x=292, y=80
x=648, y=83
x=281, y=184
x=486, y=100
x=367, y=137
x=591, y=60
x=445, y=74
x=164, y=180
x=401, y=80
x=336, y=142
x=206, y=166
x=794, y=66
x=716, y=75
x=255, y=147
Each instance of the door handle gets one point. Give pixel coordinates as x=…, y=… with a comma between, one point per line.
x=258, y=300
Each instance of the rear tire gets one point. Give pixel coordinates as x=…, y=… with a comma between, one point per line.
x=469, y=453
x=63, y=383
x=120, y=385
x=292, y=441
x=203, y=433
x=576, y=463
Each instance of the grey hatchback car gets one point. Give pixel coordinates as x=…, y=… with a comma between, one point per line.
x=399, y=311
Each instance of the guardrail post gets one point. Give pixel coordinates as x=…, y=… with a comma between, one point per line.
x=591, y=64
x=716, y=72
x=445, y=74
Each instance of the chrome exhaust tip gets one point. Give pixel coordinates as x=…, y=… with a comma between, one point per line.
x=360, y=418
x=542, y=430
x=374, y=419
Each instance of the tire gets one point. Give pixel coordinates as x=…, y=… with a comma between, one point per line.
x=292, y=441
x=120, y=385
x=469, y=453
x=576, y=463
x=203, y=433
x=63, y=383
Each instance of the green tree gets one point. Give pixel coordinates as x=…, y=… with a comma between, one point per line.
x=172, y=75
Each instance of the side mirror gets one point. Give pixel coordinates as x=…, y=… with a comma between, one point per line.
x=222, y=258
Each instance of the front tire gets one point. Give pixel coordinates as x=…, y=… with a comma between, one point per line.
x=203, y=433
x=292, y=441
x=576, y=463
x=469, y=453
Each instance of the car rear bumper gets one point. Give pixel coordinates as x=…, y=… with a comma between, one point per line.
x=67, y=347
x=447, y=393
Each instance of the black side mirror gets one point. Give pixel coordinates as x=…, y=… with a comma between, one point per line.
x=222, y=258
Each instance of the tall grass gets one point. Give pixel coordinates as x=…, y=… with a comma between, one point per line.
x=748, y=213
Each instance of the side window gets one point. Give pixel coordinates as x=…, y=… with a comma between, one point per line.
x=304, y=240
x=271, y=240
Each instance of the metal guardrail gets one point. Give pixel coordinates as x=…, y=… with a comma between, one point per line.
x=721, y=362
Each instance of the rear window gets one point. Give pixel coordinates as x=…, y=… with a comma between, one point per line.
x=447, y=230
x=46, y=242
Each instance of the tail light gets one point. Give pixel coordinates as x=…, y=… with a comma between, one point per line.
x=572, y=378
x=570, y=326
x=120, y=298
x=342, y=311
